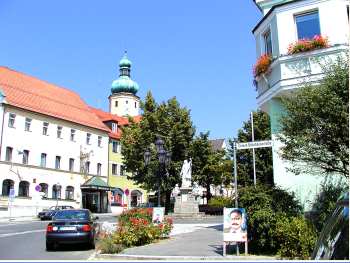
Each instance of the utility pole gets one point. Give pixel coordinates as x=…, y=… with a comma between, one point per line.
x=252, y=124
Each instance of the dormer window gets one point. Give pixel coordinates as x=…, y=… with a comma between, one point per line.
x=308, y=25
x=114, y=127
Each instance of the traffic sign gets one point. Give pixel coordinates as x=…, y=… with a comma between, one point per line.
x=251, y=145
x=38, y=188
x=12, y=194
x=126, y=191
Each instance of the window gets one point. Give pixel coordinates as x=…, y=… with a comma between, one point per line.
x=12, y=118
x=116, y=146
x=8, y=157
x=116, y=103
x=6, y=186
x=43, y=160
x=122, y=170
x=347, y=11
x=45, y=128
x=308, y=25
x=59, y=132
x=71, y=164
x=27, y=124
x=87, y=167
x=126, y=102
x=99, y=141
x=70, y=192
x=114, y=169
x=23, y=188
x=114, y=127
x=267, y=42
x=88, y=138
x=44, y=189
x=56, y=191
x=72, y=135
x=58, y=162
x=25, y=157
x=99, y=168
x=135, y=104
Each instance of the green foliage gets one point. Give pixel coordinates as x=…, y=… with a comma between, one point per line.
x=208, y=167
x=263, y=212
x=173, y=124
x=263, y=156
x=296, y=237
x=315, y=127
x=325, y=203
x=107, y=245
x=220, y=201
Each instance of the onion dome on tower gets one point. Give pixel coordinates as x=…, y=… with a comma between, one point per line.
x=124, y=83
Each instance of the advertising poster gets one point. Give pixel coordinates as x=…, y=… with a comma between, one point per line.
x=158, y=215
x=235, y=225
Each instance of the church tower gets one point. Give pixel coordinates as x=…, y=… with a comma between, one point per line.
x=123, y=100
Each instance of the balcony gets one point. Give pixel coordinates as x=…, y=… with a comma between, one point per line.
x=292, y=71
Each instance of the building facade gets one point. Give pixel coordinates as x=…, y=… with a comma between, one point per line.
x=285, y=22
x=51, y=146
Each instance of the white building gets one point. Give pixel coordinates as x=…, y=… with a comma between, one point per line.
x=285, y=22
x=49, y=139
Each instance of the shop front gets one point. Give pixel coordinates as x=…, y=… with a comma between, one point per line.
x=95, y=195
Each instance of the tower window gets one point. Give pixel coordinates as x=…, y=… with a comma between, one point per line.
x=116, y=103
x=135, y=104
x=126, y=102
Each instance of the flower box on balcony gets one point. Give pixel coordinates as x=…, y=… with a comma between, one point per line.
x=262, y=66
x=304, y=45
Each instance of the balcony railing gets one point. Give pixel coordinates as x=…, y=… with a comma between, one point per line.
x=290, y=71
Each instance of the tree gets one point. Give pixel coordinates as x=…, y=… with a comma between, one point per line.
x=315, y=126
x=173, y=124
x=263, y=156
x=207, y=165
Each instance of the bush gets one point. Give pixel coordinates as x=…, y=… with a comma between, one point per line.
x=108, y=246
x=325, y=203
x=135, y=228
x=220, y=202
x=264, y=205
x=296, y=237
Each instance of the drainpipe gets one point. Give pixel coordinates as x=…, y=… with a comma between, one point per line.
x=2, y=128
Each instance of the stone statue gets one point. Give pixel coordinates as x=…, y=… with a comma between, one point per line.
x=176, y=191
x=186, y=173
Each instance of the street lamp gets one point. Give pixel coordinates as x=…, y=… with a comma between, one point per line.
x=164, y=158
x=58, y=189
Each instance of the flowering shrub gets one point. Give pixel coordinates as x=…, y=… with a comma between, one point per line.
x=304, y=45
x=262, y=65
x=135, y=228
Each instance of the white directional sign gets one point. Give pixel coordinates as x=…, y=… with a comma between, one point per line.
x=250, y=145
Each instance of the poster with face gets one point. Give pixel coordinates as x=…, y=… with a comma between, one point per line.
x=235, y=224
x=158, y=215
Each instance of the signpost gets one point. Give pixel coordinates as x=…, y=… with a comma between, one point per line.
x=242, y=146
x=11, y=199
x=126, y=192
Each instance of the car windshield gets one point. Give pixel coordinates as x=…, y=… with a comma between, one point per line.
x=72, y=214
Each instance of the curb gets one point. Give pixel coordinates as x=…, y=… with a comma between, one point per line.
x=184, y=258
x=19, y=219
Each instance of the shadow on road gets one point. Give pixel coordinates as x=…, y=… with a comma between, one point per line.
x=71, y=247
x=217, y=227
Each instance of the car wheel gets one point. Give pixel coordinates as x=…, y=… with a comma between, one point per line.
x=92, y=243
x=49, y=246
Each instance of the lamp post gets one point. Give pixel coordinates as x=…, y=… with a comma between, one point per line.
x=164, y=158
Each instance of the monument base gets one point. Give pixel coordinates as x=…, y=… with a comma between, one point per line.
x=186, y=205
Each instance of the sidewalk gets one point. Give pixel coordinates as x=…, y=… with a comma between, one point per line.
x=186, y=242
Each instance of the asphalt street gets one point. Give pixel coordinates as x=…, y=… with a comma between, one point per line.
x=26, y=241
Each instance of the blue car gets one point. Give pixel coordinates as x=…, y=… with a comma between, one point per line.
x=72, y=227
x=47, y=214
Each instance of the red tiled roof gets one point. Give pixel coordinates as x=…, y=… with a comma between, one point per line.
x=35, y=95
x=121, y=121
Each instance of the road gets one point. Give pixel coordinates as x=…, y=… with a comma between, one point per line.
x=26, y=241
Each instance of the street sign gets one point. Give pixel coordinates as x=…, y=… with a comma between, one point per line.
x=251, y=145
x=38, y=188
x=126, y=191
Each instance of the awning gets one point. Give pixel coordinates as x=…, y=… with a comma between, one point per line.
x=96, y=183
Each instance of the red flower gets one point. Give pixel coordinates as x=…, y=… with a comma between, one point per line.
x=262, y=65
x=304, y=45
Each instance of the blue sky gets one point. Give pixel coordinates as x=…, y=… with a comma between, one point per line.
x=200, y=51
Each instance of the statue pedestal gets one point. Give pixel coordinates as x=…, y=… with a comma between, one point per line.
x=186, y=204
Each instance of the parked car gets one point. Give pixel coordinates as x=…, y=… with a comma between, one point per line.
x=333, y=242
x=47, y=214
x=149, y=204
x=72, y=227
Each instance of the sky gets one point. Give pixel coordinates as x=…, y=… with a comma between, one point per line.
x=200, y=51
